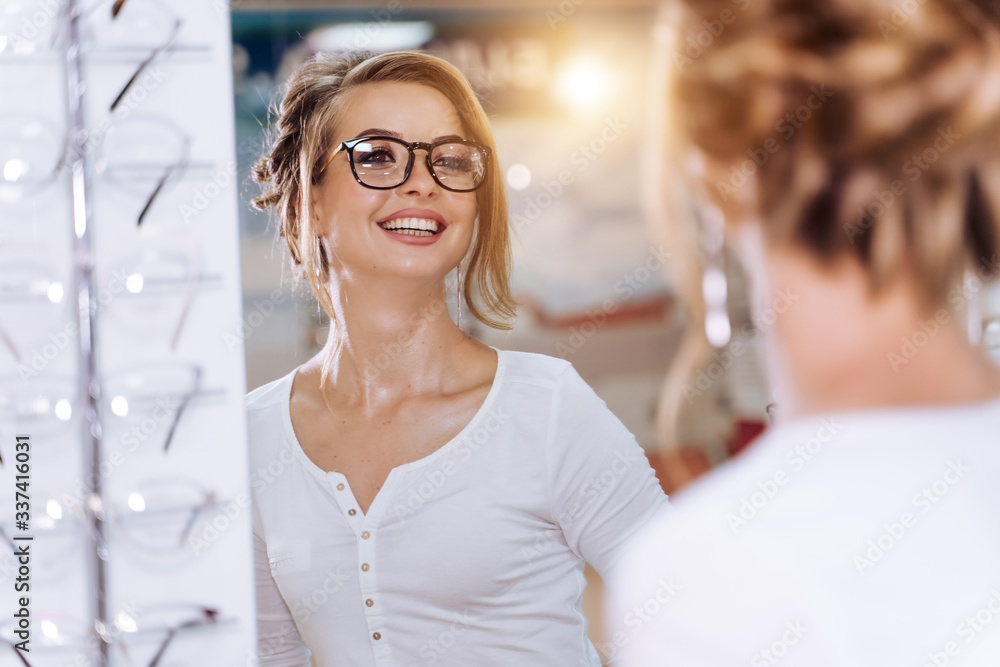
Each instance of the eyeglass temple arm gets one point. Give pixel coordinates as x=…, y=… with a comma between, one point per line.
x=182, y=407
x=330, y=159
x=17, y=652
x=208, y=502
x=210, y=615
x=9, y=342
x=192, y=289
x=145, y=63
x=159, y=186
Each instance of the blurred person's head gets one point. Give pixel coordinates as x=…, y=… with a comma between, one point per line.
x=853, y=149
x=334, y=226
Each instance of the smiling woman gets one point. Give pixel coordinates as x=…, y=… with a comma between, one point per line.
x=427, y=496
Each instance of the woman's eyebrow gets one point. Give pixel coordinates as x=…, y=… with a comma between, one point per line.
x=381, y=132
x=378, y=132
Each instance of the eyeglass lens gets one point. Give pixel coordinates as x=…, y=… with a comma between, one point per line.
x=382, y=163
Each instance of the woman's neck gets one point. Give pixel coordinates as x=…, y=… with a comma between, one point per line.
x=838, y=347
x=391, y=339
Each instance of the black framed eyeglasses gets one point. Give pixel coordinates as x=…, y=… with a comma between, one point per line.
x=383, y=163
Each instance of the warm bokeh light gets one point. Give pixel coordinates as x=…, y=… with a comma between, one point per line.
x=372, y=36
x=584, y=83
x=518, y=177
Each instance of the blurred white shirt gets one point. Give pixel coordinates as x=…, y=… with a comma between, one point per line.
x=861, y=538
x=471, y=556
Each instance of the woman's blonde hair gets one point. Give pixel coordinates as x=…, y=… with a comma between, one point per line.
x=843, y=127
x=306, y=124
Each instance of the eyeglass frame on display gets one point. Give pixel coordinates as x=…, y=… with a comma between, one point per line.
x=208, y=616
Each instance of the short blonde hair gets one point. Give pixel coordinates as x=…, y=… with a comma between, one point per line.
x=903, y=96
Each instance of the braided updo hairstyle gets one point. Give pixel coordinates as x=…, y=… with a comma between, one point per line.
x=305, y=127
x=861, y=127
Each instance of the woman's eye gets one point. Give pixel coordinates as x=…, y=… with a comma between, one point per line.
x=377, y=156
x=453, y=163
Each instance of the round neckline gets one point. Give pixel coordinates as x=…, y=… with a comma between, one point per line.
x=286, y=418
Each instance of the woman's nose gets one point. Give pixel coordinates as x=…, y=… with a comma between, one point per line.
x=420, y=181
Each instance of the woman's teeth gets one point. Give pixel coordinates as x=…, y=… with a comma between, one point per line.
x=411, y=226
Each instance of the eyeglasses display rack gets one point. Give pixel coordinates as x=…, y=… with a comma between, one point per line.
x=125, y=516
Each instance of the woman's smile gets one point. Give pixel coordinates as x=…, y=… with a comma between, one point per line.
x=414, y=226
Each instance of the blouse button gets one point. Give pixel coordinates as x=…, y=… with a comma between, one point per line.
x=377, y=635
x=340, y=487
x=369, y=602
x=364, y=567
x=365, y=534
x=352, y=511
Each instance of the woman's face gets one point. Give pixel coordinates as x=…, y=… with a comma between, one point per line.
x=355, y=219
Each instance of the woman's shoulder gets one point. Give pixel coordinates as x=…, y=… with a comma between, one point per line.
x=534, y=367
x=550, y=383
x=269, y=394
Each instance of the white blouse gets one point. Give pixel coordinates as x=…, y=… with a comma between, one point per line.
x=472, y=555
x=868, y=538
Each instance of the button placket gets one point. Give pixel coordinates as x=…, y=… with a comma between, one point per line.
x=365, y=527
x=345, y=500
x=368, y=589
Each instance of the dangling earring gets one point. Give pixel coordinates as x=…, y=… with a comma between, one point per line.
x=714, y=287
x=320, y=254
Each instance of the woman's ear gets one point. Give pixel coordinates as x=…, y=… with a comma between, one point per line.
x=315, y=212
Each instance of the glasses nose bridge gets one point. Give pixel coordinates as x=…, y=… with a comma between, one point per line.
x=414, y=145
x=427, y=147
